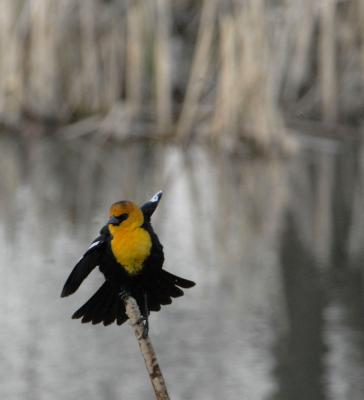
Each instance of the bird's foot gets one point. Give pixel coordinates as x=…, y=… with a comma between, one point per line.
x=123, y=294
x=144, y=321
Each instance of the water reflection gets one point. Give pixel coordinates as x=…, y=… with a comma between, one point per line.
x=300, y=350
x=274, y=247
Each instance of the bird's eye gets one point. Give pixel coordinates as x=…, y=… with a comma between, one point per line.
x=122, y=217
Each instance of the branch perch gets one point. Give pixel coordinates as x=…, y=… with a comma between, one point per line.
x=146, y=348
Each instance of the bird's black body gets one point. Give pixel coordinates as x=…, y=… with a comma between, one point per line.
x=152, y=286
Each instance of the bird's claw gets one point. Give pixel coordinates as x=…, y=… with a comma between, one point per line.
x=145, y=323
x=123, y=294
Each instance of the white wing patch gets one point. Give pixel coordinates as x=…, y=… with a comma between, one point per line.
x=156, y=197
x=93, y=245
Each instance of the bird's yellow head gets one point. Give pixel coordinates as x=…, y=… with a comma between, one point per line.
x=124, y=215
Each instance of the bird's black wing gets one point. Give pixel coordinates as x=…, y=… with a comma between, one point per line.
x=87, y=263
x=149, y=207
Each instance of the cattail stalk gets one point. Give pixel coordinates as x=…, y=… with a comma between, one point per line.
x=146, y=348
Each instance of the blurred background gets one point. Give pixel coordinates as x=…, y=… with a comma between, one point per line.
x=249, y=116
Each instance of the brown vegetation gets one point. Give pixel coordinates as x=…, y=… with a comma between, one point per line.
x=226, y=71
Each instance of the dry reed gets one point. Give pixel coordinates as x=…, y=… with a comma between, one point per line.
x=226, y=71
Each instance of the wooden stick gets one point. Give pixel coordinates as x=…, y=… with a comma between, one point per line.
x=146, y=348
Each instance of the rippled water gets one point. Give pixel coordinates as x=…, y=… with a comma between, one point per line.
x=275, y=248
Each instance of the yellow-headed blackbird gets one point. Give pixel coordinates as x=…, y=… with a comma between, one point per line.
x=130, y=256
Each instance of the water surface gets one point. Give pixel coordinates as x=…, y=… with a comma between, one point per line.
x=275, y=248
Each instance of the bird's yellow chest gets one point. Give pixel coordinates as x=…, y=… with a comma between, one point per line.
x=131, y=248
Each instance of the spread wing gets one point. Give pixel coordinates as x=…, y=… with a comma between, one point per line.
x=149, y=207
x=87, y=263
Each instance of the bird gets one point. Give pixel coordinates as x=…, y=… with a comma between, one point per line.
x=130, y=256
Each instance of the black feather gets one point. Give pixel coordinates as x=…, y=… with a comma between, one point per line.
x=149, y=207
x=184, y=283
x=104, y=306
x=82, y=269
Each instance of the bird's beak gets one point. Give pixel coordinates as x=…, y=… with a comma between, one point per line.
x=149, y=207
x=113, y=221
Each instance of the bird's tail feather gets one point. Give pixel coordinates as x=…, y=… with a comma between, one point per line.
x=176, y=280
x=166, y=287
x=104, y=306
